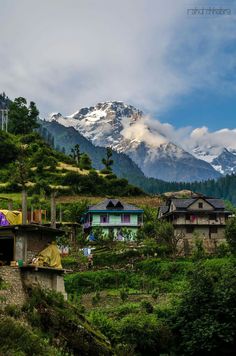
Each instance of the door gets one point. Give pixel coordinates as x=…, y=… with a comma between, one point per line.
x=6, y=250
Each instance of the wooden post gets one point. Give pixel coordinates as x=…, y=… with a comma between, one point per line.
x=10, y=205
x=24, y=206
x=60, y=214
x=32, y=214
x=53, y=209
x=40, y=215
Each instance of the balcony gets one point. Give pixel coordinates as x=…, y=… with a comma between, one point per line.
x=198, y=221
x=111, y=224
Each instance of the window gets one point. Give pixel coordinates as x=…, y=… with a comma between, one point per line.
x=213, y=230
x=213, y=217
x=125, y=218
x=104, y=219
x=200, y=205
x=189, y=229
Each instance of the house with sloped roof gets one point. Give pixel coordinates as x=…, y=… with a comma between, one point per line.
x=198, y=216
x=114, y=216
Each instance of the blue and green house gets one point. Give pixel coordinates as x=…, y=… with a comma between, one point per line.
x=112, y=215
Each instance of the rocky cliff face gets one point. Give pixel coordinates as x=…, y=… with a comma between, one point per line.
x=126, y=130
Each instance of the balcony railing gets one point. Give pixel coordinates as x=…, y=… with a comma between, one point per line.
x=111, y=224
x=199, y=222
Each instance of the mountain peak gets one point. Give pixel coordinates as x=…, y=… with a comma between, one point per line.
x=125, y=129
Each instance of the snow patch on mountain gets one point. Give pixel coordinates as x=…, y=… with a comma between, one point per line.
x=146, y=141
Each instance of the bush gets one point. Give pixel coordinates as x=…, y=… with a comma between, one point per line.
x=17, y=339
x=12, y=310
x=204, y=323
x=124, y=295
x=86, y=282
x=147, y=306
x=147, y=335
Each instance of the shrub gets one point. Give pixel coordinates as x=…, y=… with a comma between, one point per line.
x=124, y=295
x=204, y=322
x=147, y=306
x=12, y=310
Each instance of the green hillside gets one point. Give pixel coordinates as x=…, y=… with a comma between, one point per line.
x=65, y=138
x=27, y=160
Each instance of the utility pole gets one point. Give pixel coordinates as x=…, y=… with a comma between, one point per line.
x=4, y=115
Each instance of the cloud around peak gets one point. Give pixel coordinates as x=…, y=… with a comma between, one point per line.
x=66, y=55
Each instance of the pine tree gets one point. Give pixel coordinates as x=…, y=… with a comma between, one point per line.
x=85, y=162
x=22, y=120
x=107, y=161
x=75, y=153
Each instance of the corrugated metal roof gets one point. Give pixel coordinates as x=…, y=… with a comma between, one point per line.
x=183, y=204
x=113, y=204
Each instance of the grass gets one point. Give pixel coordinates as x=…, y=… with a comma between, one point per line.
x=139, y=201
x=71, y=168
x=14, y=196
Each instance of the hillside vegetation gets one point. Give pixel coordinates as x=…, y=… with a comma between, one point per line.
x=156, y=306
x=27, y=160
x=65, y=137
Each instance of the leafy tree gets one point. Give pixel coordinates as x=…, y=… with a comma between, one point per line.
x=8, y=150
x=85, y=162
x=204, y=322
x=22, y=119
x=107, y=161
x=166, y=234
x=230, y=234
x=75, y=153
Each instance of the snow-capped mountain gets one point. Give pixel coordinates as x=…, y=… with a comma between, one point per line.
x=222, y=159
x=127, y=130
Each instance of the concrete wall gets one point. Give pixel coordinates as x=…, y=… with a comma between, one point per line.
x=13, y=293
x=44, y=278
x=205, y=205
x=200, y=218
x=28, y=245
x=115, y=219
x=210, y=241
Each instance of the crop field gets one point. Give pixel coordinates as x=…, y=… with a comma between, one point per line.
x=151, y=201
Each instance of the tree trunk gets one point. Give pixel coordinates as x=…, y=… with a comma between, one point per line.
x=24, y=206
x=53, y=210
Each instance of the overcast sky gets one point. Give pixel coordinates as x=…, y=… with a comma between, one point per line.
x=67, y=54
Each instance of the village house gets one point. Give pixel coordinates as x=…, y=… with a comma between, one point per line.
x=114, y=216
x=198, y=216
x=23, y=242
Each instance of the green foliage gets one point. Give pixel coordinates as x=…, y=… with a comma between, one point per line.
x=17, y=339
x=12, y=310
x=85, y=282
x=74, y=211
x=58, y=319
x=124, y=295
x=198, y=251
x=75, y=153
x=204, y=323
x=85, y=162
x=8, y=148
x=107, y=161
x=96, y=298
x=147, y=306
x=222, y=250
x=22, y=119
x=230, y=234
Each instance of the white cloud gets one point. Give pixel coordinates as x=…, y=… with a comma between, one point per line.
x=68, y=54
x=155, y=133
